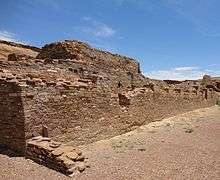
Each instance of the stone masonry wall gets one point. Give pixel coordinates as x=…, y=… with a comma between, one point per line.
x=12, y=118
x=82, y=52
x=82, y=95
x=84, y=116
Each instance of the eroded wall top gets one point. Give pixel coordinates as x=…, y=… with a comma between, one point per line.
x=83, y=52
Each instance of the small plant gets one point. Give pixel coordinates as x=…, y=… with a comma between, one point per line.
x=120, y=145
x=189, y=130
x=142, y=149
x=218, y=102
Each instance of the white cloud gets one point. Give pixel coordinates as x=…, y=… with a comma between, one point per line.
x=185, y=68
x=181, y=73
x=104, y=31
x=7, y=36
x=97, y=29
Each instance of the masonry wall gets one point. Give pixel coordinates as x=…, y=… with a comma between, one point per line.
x=84, y=95
x=84, y=115
x=12, y=133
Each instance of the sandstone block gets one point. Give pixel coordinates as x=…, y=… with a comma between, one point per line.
x=54, y=144
x=57, y=152
x=72, y=155
x=18, y=57
x=80, y=166
x=36, y=138
x=51, y=83
x=61, y=150
x=30, y=95
x=46, y=139
x=80, y=158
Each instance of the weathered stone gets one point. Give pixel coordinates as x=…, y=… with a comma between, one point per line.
x=45, y=139
x=36, y=138
x=72, y=155
x=9, y=77
x=30, y=82
x=42, y=139
x=44, y=131
x=80, y=166
x=54, y=144
x=62, y=149
x=37, y=80
x=80, y=158
x=51, y=83
x=30, y=95
x=36, y=135
x=57, y=152
x=12, y=57
x=48, y=61
x=63, y=158
x=79, y=152
x=18, y=57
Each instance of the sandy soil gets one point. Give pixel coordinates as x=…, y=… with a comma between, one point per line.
x=182, y=147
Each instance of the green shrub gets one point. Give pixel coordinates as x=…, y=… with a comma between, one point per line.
x=218, y=103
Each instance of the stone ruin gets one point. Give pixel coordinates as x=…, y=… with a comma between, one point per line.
x=82, y=95
x=54, y=155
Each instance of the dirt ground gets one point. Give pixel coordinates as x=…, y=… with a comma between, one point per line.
x=186, y=146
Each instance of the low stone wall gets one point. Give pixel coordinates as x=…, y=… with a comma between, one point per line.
x=65, y=159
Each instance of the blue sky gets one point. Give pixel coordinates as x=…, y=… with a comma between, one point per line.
x=172, y=39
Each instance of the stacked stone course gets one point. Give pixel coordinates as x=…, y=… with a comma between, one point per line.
x=12, y=133
x=65, y=159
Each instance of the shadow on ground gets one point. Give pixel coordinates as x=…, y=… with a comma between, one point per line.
x=8, y=152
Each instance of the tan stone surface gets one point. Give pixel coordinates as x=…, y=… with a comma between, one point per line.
x=72, y=155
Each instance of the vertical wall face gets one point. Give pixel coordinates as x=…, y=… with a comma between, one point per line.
x=84, y=116
x=11, y=117
x=88, y=95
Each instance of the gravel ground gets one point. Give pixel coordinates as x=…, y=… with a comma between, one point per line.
x=19, y=168
x=182, y=147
